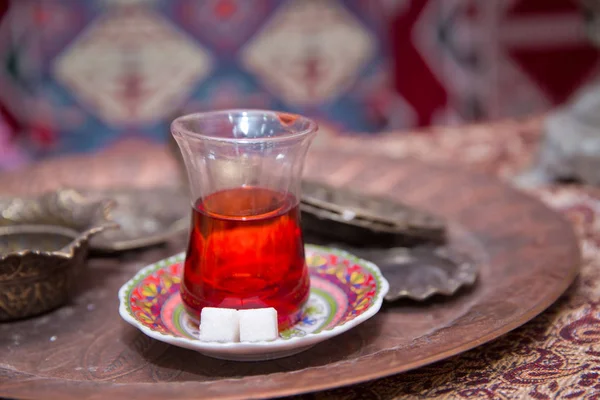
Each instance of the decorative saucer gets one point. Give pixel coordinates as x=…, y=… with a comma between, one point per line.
x=345, y=291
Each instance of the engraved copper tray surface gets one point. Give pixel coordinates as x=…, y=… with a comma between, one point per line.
x=529, y=257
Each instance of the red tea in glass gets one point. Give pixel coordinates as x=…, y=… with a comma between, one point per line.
x=246, y=251
x=246, y=248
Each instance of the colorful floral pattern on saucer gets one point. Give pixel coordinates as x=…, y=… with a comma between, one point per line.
x=345, y=291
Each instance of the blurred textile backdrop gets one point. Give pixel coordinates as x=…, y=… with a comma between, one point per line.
x=81, y=75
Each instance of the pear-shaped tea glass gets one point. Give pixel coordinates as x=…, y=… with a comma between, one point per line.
x=246, y=248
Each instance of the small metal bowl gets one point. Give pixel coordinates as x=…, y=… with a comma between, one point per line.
x=43, y=245
x=38, y=265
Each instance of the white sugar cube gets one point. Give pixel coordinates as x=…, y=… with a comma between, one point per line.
x=258, y=324
x=219, y=325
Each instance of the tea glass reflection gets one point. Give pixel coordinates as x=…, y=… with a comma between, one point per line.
x=246, y=248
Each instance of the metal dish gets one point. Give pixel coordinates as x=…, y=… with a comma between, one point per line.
x=66, y=207
x=146, y=217
x=421, y=272
x=357, y=219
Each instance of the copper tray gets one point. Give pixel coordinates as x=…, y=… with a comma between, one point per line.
x=84, y=350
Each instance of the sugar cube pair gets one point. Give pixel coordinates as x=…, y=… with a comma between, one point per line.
x=229, y=325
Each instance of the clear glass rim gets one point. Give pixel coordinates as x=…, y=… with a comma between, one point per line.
x=177, y=126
